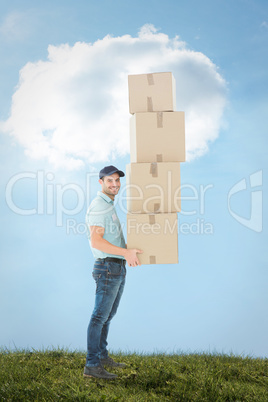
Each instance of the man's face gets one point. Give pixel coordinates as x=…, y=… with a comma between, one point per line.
x=110, y=184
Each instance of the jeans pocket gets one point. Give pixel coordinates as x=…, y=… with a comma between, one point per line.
x=99, y=267
x=96, y=276
x=114, y=269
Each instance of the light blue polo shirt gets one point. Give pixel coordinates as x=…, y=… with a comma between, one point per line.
x=101, y=212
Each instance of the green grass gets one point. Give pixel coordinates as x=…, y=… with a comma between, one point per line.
x=57, y=375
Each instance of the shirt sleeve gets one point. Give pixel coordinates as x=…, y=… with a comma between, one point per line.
x=96, y=216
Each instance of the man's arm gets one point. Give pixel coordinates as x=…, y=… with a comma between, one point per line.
x=98, y=242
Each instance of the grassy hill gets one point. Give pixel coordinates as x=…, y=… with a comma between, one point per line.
x=57, y=375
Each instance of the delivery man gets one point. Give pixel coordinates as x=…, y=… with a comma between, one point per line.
x=109, y=249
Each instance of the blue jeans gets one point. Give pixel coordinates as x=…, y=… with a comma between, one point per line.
x=110, y=282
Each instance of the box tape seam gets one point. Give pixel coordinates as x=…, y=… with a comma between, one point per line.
x=149, y=104
x=153, y=169
x=151, y=219
x=156, y=207
x=150, y=79
x=152, y=259
x=159, y=118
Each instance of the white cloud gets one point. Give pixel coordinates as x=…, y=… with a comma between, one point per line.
x=73, y=108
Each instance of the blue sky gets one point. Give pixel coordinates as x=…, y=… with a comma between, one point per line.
x=64, y=114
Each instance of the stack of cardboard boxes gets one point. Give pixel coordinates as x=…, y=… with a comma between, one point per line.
x=157, y=146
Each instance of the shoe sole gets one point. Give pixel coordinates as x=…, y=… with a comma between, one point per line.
x=114, y=367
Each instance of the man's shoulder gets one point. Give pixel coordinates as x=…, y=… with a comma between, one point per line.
x=96, y=201
x=98, y=204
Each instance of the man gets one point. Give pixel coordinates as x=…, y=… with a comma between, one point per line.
x=109, y=248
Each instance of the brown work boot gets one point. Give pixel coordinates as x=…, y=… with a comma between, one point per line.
x=98, y=372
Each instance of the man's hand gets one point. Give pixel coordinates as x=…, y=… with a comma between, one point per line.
x=98, y=242
x=131, y=256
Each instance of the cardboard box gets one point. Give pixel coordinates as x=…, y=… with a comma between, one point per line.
x=157, y=137
x=153, y=187
x=156, y=235
x=152, y=92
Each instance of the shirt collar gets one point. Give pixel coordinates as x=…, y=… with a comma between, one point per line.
x=104, y=196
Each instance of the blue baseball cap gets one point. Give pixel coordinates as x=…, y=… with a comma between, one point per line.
x=108, y=170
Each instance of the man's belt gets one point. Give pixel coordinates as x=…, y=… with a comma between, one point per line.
x=112, y=259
